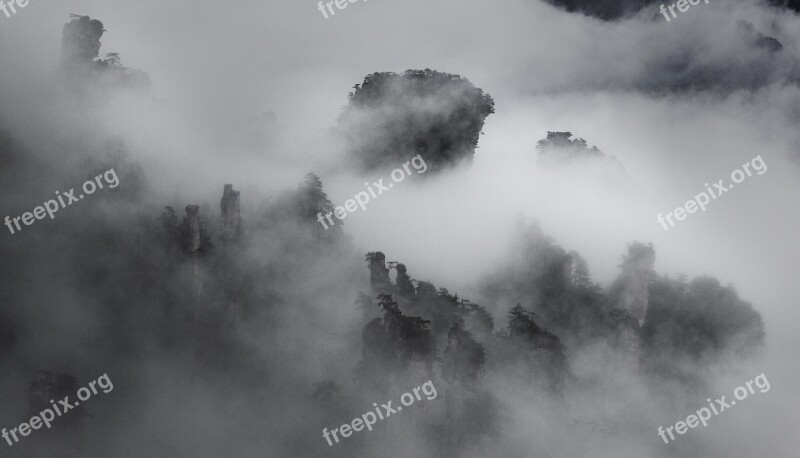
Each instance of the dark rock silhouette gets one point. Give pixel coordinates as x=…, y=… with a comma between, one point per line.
x=560, y=148
x=390, y=118
x=395, y=347
x=80, y=42
x=667, y=327
x=610, y=10
x=405, y=289
x=378, y=274
x=80, y=48
x=692, y=324
x=231, y=214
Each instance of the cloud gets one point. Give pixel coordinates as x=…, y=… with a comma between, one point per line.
x=92, y=291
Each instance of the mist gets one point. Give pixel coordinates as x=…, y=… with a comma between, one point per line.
x=245, y=328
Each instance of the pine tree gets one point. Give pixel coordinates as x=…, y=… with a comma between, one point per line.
x=579, y=270
x=544, y=350
x=313, y=199
x=391, y=343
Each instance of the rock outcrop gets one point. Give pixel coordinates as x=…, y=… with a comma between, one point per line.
x=405, y=289
x=80, y=50
x=231, y=215
x=378, y=274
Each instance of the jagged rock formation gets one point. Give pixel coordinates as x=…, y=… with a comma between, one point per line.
x=463, y=328
x=391, y=118
x=235, y=284
x=442, y=308
x=395, y=347
x=669, y=327
x=231, y=217
x=405, y=289
x=378, y=274
x=190, y=247
x=80, y=40
x=190, y=236
x=80, y=48
x=425, y=291
x=401, y=347
x=190, y=242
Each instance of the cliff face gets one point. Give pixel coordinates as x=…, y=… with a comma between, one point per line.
x=437, y=115
x=80, y=41
x=80, y=50
x=405, y=289
x=635, y=279
x=464, y=358
x=231, y=217
x=425, y=291
x=411, y=330
x=192, y=238
x=378, y=274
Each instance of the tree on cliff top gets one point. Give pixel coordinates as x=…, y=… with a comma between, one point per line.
x=80, y=48
x=390, y=118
